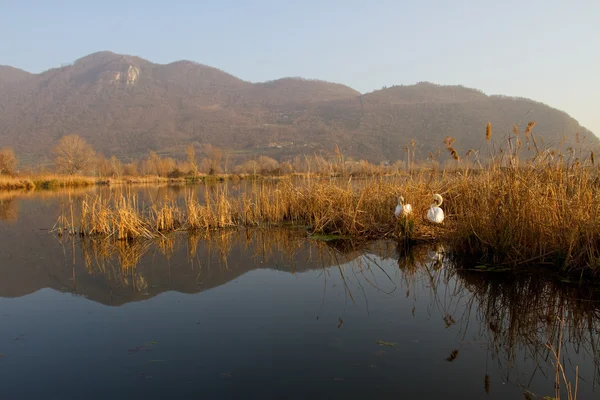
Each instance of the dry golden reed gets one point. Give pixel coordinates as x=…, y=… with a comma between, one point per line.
x=541, y=211
x=530, y=126
x=12, y=183
x=454, y=153
x=488, y=131
x=532, y=214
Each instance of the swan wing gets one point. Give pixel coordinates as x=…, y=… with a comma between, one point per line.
x=435, y=214
x=431, y=214
x=439, y=215
x=398, y=210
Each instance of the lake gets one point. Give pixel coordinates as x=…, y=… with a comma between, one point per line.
x=269, y=313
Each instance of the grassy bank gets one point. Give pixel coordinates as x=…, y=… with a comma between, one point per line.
x=57, y=181
x=536, y=214
x=9, y=183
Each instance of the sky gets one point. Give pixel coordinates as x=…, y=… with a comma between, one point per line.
x=546, y=50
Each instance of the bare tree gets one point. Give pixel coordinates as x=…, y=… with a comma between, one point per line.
x=267, y=165
x=155, y=161
x=73, y=154
x=161, y=166
x=214, y=155
x=8, y=161
x=191, y=156
x=131, y=169
x=116, y=167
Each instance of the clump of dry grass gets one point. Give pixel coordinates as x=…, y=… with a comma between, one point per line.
x=12, y=183
x=533, y=214
x=119, y=217
x=326, y=206
x=63, y=181
x=545, y=211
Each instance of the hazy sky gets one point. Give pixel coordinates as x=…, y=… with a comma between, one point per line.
x=547, y=50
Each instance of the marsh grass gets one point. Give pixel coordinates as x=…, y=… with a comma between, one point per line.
x=507, y=216
x=64, y=181
x=58, y=181
x=504, y=211
x=13, y=183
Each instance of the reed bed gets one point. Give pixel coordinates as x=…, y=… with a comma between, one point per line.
x=12, y=183
x=539, y=213
x=58, y=181
x=64, y=181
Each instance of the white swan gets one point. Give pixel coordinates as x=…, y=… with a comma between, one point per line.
x=401, y=208
x=435, y=213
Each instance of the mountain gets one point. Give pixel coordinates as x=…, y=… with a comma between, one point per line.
x=125, y=105
x=11, y=75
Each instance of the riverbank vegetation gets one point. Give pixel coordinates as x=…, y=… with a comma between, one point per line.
x=535, y=214
x=501, y=208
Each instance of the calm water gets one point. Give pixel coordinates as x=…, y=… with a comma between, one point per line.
x=271, y=314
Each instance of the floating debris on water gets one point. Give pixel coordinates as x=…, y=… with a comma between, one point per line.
x=386, y=344
x=452, y=355
x=138, y=348
x=449, y=320
x=145, y=347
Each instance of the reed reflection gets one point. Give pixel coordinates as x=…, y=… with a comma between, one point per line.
x=530, y=326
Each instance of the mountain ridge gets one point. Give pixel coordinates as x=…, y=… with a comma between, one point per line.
x=126, y=105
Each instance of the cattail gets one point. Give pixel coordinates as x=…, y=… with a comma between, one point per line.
x=515, y=130
x=530, y=126
x=592, y=157
x=577, y=137
x=412, y=143
x=449, y=141
x=453, y=153
x=488, y=131
x=469, y=153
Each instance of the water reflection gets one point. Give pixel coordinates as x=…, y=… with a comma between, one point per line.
x=518, y=318
x=382, y=319
x=528, y=317
x=9, y=210
x=211, y=259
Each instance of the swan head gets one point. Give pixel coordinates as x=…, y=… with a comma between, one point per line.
x=400, y=200
x=437, y=199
